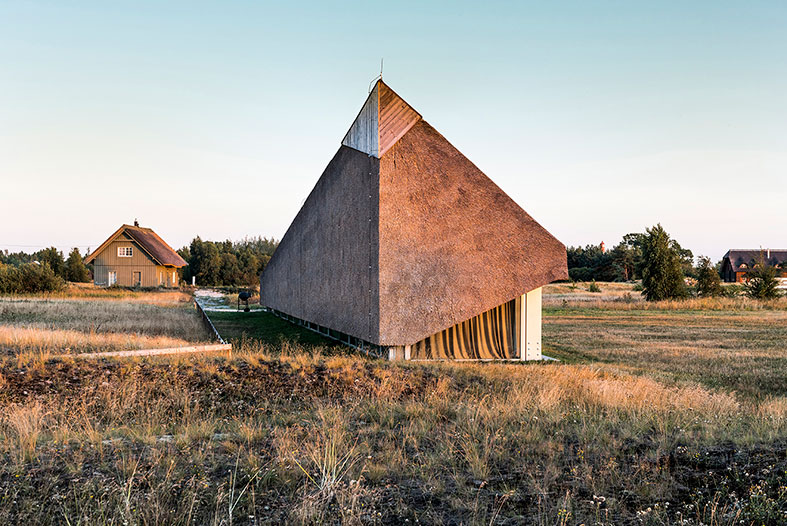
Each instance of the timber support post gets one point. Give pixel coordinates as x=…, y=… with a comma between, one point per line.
x=530, y=332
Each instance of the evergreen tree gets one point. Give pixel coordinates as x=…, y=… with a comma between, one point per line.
x=762, y=282
x=54, y=258
x=230, y=273
x=227, y=263
x=75, y=267
x=205, y=262
x=708, y=280
x=662, y=277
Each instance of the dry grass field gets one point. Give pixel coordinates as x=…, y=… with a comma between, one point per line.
x=656, y=415
x=117, y=320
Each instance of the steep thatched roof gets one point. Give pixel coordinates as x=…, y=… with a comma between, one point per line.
x=403, y=236
x=748, y=257
x=149, y=241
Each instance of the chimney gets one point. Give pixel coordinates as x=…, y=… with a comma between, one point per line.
x=136, y=223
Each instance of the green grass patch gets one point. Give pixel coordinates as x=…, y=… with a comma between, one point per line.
x=267, y=329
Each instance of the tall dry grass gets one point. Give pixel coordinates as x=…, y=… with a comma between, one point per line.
x=21, y=340
x=329, y=438
x=633, y=303
x=24, y=425
x=88, y=291
x=110, y=322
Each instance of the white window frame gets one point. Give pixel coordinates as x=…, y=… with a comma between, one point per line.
x=125, y=252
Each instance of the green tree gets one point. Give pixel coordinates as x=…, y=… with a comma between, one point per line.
x=708, y=280
x=38, y=277
x=226, y=262
x=205, y=262
x=185, y=272
x=54, y=258
x=686, y=258
x=75, y=267
x=761, y=281
x=662, y=277
x=230, y=273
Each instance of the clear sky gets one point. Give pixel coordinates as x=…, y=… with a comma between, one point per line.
x=217, y=118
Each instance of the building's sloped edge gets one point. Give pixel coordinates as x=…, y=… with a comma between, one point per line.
x=452, y=244
x=325, y=270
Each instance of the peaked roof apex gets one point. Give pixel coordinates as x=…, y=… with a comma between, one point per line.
x=384, y=118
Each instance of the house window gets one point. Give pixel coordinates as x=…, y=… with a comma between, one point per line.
x=125, y=252
x=113, y=278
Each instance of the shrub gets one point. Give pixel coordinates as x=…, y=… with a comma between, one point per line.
x=30, y=277
x=731, y=291
x=9, y=279
x=762, y=283
x=593, y=287
x=75, y=267
x=708, y=280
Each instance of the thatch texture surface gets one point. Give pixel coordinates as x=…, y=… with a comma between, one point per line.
x=157, y=248
x=749, y=257
x=452, y=243
x=397, y=249
x=325, y=268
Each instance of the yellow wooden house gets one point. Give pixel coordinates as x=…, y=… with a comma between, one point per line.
x=135, y=257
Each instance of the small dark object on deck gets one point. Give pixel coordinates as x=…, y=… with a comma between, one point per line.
x=244, y=297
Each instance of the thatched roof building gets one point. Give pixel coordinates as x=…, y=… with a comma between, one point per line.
x=736, y=263
x=134, y=256
x=405, y=246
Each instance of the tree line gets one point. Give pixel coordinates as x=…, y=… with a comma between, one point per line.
x=43, y=271
x=227, y=263
x=663, y=265
x=211, y=263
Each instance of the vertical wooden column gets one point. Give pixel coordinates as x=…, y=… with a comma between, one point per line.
x=399, y=352
x=530, y=326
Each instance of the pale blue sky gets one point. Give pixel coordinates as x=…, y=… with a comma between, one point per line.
x=217, y=118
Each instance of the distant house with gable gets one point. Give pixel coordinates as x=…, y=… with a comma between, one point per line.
x=737, y=263
x=135, y=257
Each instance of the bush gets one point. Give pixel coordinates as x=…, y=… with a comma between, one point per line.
x=28, y=278
x=731, y=291
x=662, y=275
x=762, y=283
x=708, y=280
x=593, y=287
x=75, y=269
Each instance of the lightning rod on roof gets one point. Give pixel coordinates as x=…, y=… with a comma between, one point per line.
x=378, y=77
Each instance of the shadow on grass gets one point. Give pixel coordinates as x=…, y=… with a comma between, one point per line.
x=267, y=329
